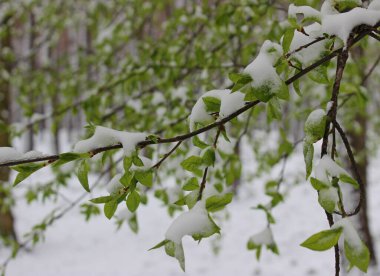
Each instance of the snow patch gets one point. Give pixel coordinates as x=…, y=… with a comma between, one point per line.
x=104, y=137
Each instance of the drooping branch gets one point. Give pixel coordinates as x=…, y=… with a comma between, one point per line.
x=354, y=166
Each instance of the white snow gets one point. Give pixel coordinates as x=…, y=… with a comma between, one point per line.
x=342, y=24
x=114, y=185
x=311, y=53
x=230, y=103
x=199, y=113
x=349, y=232
x=32, y=154
x=261, y=68
x=194, y=221
x=265, y=237
x=315, y=117
x=307, y=11
x=327, y=167
x=9, y=154
x=104, y=137
x=329, y=194
x=374, y=5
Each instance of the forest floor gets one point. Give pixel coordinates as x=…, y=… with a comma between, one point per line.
x=76, y=247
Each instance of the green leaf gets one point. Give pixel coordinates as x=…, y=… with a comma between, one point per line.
x=193, y=164
x=212, y=104
x=328, y=199
x=319, y=74
x=25, y=171
x=133, y=201
x=263, y=93
x=68, y=157
x=358, y=257
x=218, y=202
x=209, y=157
x=317, y=184
x=315, y=125
x=102, y=199
x=241, y=80
x=175, y=250
x=137, y=161
x=287, y=39
x=199, y=143
x=145, y=178
x=323, y=240
x=160, y=244
x=273, y=110
x=348, y=179
x=82, y=174
x=191, y=184
x=308, y=154
x=127, y=163
x=110, y=208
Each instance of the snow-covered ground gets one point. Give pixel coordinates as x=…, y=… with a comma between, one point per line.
x=75, y=247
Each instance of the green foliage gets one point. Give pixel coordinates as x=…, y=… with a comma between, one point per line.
x=323, y=240
x=82, y=174
x=24, y=171
x=216, y=203
x=358, y=257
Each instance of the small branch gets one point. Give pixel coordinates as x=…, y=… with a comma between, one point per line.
x=158, y=164
x=304, y=46
x=203, y=184
x=375, y=36
x=371, y=70
x=354, y=166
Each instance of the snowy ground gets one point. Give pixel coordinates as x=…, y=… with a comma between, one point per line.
x=75, y=247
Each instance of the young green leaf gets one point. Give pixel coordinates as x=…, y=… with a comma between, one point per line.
x=357, y=256
x=193, y=164
x=317, y=184
x=145, y=178
x=25, y=171
x=133, y=201
x=216, y=203
x=323, y=240
x=209, y=156
x=287, y=39
x=82, y=174
x=212, y=104
x=160, y=244
x=348, y=179
x=308, y=154
x=102, y=199
x=191, y=184
x=110, y=208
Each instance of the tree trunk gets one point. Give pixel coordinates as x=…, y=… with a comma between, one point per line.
x=6, y=217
